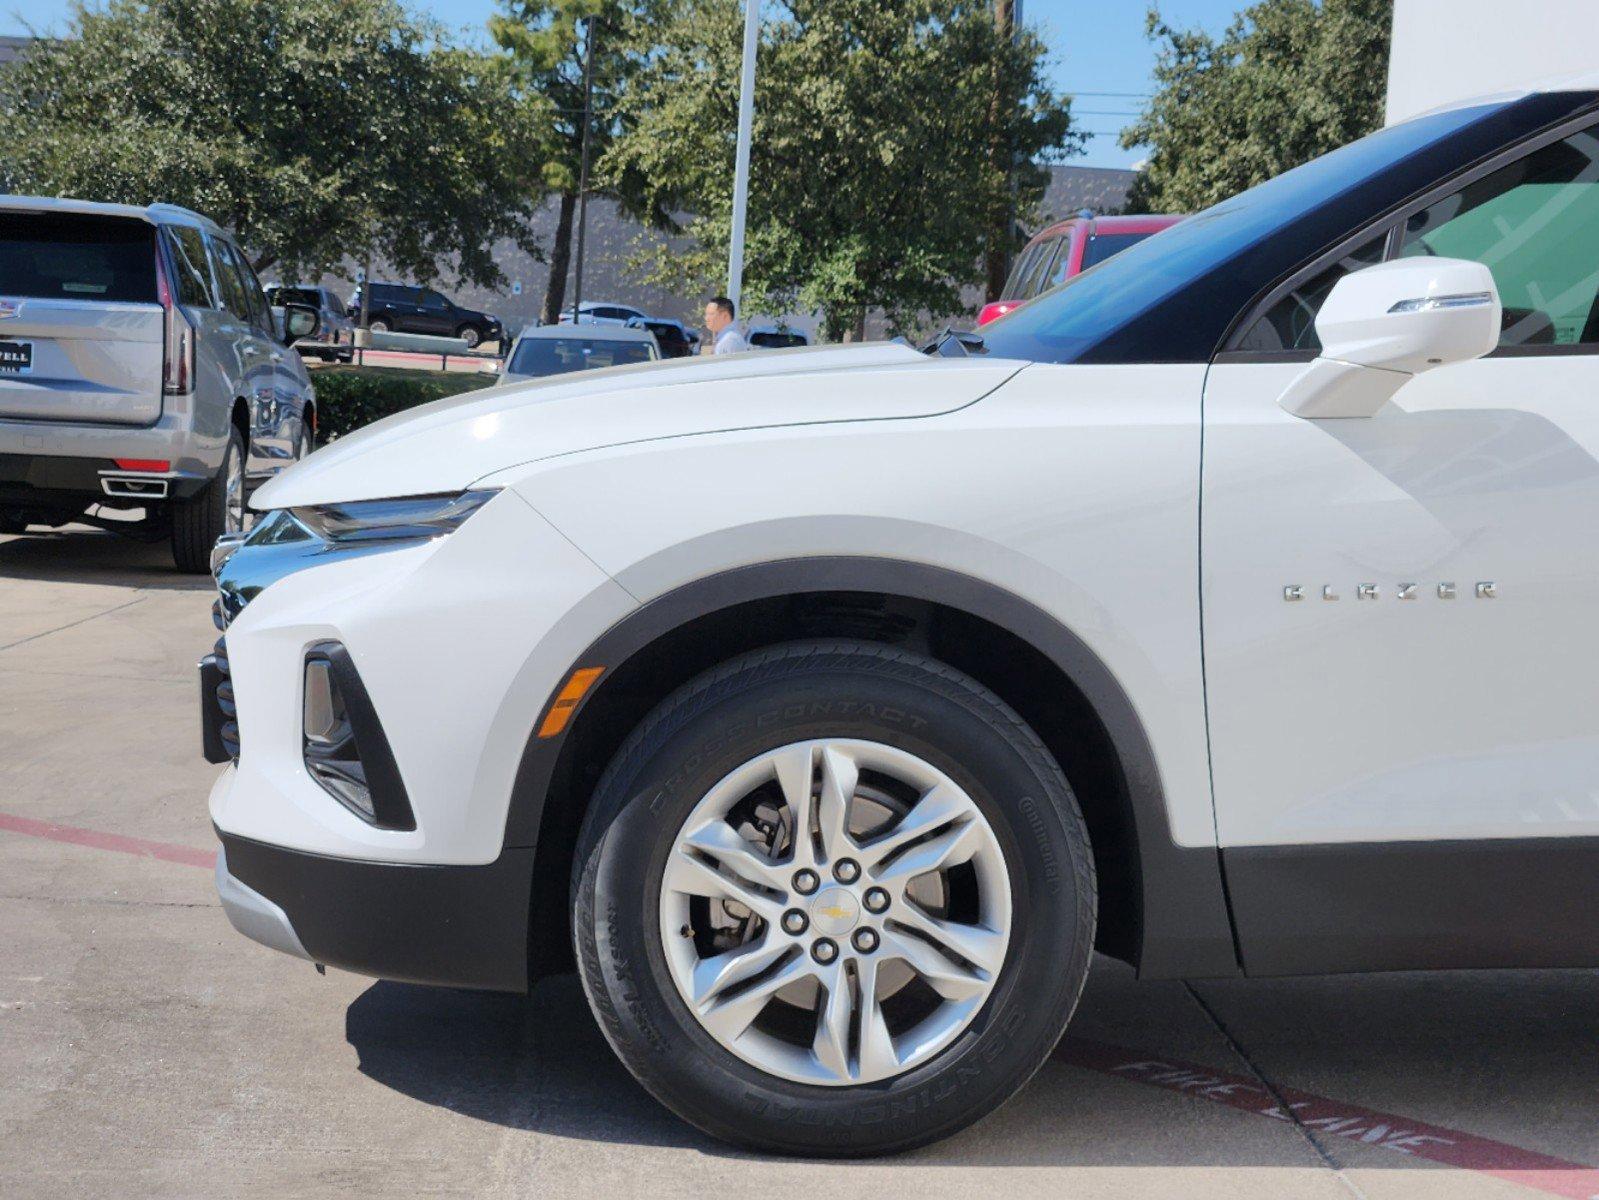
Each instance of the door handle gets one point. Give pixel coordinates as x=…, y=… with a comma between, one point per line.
x=277, y=356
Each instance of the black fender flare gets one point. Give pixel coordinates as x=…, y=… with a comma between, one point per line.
x=1185, y=924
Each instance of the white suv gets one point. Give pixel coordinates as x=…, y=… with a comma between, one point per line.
x=1229, y=610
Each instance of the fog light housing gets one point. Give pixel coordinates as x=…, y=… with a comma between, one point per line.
x=343, y=744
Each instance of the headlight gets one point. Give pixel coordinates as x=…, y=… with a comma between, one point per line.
x=408, y=517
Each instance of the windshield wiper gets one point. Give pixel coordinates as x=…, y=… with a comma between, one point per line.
x=956, y=343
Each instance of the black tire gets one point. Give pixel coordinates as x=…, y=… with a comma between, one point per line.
x=198, y=522
x=796, y=692
x=378, y=325
x=470, y=335
x=305, y=441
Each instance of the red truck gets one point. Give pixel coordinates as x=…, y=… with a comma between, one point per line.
x=1069, y=248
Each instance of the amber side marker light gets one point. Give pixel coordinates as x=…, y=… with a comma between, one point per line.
x=567, y=698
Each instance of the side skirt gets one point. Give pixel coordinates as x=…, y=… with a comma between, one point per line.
x=1399, y=906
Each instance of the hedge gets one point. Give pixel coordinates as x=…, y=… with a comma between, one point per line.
x=350, y=397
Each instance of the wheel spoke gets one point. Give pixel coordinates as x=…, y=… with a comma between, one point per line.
x=941, y=973
x=840, y=773
x=944, y=850
x=937, y=807
x=878, y=1058
x=979, y=945
x=795, y=768
x=694, y=877
x=738, y=855
x=833, y=1022
x=714, y=975
x=728, y=1019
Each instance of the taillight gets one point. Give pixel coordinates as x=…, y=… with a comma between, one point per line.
x=177, y=354
x=996, y=309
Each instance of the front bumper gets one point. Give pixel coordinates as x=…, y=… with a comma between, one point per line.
x=453, y=926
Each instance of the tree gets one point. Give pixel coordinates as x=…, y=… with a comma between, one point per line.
x=548, y=41
x=1288, y=81
x=319, y=131
x=872, y=184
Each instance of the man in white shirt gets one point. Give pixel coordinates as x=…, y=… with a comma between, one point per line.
x=723, y=329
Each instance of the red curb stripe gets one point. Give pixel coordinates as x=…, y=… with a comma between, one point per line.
x=1435, y=1143
x=165, y=851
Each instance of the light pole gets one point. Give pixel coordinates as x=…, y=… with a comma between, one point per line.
x=583, y=167
x=741, y=162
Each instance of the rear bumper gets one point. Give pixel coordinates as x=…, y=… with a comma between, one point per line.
x=48, y=481
x=194, y=457
x=447, y=925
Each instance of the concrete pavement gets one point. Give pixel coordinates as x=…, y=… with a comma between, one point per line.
x=147, y=1050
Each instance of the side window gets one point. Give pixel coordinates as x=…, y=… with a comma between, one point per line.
x=1032, y=284
x=259, y=312
x=1535, y=225
x=189, y=263
x=1019, y=272
x=432, y=299
x=1290, y=324
x=1057, y=269
x=230, y=284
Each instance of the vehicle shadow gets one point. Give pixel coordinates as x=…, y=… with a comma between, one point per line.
x=540, y=1064
x=81, y=554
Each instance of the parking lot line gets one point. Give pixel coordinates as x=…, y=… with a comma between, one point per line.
x=189, y=856
x=1386, y=1131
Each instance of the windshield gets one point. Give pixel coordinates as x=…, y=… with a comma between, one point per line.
x=1064, y=323
x=557, y=356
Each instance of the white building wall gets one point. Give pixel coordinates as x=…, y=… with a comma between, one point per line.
x=1447, y=50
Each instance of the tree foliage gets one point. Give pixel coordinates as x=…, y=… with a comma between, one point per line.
x=871, y=180
x=319, y=131
x=548, y=42
x=1287, y=82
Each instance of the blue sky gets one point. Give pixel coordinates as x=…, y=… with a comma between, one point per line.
x=1099, y=50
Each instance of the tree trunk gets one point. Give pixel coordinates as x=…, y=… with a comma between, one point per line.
x=996, y=251
x=560, y=259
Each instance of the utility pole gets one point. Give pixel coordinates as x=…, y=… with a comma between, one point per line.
x=741, y=162
x=583, y=166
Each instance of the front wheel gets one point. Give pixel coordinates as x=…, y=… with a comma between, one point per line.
x=833, y=898
x=469, y=335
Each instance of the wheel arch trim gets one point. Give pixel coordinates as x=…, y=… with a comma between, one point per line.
x=1186, y=929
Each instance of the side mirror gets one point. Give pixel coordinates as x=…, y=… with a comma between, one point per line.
x=1381, y=326
x=300, y=321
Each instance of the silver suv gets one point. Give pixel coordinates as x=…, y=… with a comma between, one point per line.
x=140, y=368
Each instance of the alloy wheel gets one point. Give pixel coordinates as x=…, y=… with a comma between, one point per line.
x=835, y=912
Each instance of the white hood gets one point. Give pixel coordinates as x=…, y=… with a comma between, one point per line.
x=446, y=445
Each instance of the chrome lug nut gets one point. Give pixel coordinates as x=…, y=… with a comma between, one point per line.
x=847, y=870
x=865, y=940
x=876, y=900
x=824, y=950
x=794, y=921
x=806, y=882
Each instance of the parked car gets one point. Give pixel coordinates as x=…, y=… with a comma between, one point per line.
x=775, y=337
x=675, y=339
x=140, y=369
x=601, y=312
x=829, y=709
x=401, y=308
x=543, y=350
x=336, y=339
x=1068, y=248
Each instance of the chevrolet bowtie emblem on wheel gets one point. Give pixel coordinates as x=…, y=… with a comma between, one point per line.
x=9, y=309
x=1485, y=590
